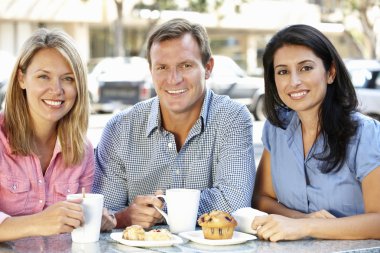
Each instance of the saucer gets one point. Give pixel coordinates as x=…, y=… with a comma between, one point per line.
x=118, y=236
x=197, y=236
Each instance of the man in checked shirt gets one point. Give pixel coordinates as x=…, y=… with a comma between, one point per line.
x=185, y=137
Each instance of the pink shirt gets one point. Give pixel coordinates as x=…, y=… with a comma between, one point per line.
x=25, y=190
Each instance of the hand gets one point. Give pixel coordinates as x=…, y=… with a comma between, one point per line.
x=320, y=214
x=276, y=227
x=108, y=221
x=140, y=212
x=62, y=217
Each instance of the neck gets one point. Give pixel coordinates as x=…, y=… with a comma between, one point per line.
x=179, y=124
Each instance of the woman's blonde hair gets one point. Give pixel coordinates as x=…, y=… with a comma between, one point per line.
x=72, y=128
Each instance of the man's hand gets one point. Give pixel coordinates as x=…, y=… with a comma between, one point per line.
x=108, y=221
x=140, y=212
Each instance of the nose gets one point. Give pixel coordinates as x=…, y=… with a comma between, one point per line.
x=295, y=79
x=175, y=76
x=56, y=86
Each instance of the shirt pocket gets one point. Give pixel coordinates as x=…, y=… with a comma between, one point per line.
x=62, y=189
x=14, y=194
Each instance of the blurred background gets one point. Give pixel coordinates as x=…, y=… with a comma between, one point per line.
x=111, y=36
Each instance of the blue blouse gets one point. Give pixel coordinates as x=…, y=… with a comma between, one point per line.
x=298, y=182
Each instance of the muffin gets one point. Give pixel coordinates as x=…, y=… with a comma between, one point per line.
x=134, y=232
x=217, y=225
x=158, y=235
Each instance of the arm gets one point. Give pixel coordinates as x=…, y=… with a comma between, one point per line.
x=235, y=170
x=363, y=226
x=61, y=217
x=111, y=181
x=264, y=198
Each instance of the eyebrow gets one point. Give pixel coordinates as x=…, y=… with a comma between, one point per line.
x=48, y=72
x=299, y=63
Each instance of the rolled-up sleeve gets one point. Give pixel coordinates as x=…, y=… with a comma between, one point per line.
x=235, y=169
x=110, y=179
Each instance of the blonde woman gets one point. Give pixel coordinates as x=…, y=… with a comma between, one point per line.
x=44, y=153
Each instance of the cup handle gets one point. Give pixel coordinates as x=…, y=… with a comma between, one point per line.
x=162, y=212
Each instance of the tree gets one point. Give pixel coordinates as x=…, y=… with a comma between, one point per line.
x=119, y=30
x=363, y=35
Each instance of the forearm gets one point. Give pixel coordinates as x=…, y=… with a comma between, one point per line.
x=14, y=228
x=122, y=219
x=272, y=206
x=364, y=226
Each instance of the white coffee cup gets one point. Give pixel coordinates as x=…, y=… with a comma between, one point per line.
x=182, y=206
x=244, y=217
x=92, y=207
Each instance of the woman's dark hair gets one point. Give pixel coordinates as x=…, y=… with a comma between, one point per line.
x=335, y=121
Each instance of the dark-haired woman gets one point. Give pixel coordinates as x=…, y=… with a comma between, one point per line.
x=320, y=171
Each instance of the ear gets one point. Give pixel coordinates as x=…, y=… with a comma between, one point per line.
x=20, y=79
x=331, y=74
x=209, y=66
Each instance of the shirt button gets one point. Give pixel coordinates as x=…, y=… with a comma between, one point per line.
x=14, y=187
x=177, y=171
x=40, y=181
x=40, y=201
x=68, y=190
x=170, y=145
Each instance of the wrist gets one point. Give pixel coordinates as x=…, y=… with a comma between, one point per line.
x=122, y=219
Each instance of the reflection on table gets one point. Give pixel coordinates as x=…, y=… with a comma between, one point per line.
x=63, y=243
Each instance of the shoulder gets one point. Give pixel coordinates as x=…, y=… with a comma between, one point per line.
x=368, y=128
x=221, y=106
x=129, y=116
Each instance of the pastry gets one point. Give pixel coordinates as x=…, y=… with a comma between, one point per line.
x=217, y=225
x=158, y=235
x=134, y=232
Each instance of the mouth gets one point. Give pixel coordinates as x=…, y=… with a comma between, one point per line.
x=298, y=94
x=176, y=92
x=53, y=102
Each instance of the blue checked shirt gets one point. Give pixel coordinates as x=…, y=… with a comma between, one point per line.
x=136, y=156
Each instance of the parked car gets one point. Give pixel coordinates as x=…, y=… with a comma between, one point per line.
x=365, y=78
x=6, y=66
x=117, y=82
x=228, y=78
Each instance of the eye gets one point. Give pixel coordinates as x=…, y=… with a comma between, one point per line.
x=160, y=68
x=186, y=65
x=69, y=79
x=306, y=68
x=44, y=77
x=282, y=72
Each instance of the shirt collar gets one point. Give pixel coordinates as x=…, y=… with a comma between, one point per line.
x=154, y=119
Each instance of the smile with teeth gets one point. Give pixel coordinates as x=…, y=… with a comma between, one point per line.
x=176, y=91
x=53, y=102
x=298, y=94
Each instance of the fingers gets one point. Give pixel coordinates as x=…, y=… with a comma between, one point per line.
x=142, y=212
x=108, y=221
x=149, y=200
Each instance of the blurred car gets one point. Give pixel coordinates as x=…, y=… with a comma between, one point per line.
x=6, y=66
x=257, y=104
x=365, y=78
x=227, y=78
x=117, y=82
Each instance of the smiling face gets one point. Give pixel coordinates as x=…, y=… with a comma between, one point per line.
x=178, y=74
x=301, y=79
x=50, y=86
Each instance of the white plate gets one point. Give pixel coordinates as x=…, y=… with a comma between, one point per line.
x=197, y=236
x=118, y=236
